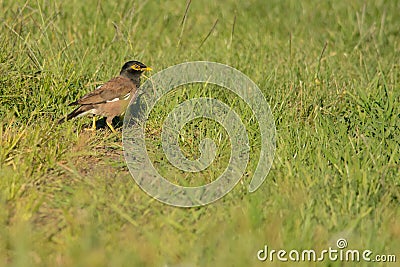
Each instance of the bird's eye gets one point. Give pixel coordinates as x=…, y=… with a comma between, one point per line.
x=136, y=67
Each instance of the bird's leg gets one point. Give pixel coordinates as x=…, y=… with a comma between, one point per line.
x=94, y=124
x=111, y=127
x=93, y=128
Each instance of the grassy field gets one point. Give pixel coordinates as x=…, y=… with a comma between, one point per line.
x=329, y=70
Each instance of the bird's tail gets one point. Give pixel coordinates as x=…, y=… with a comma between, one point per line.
x=76, y=112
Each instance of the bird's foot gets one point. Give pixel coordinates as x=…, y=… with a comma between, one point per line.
x=93, y=129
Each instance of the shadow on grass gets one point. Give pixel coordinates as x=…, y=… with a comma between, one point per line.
x=117, y=123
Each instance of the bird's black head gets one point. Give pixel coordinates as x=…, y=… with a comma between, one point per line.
x=133, y=70
x=134, y=67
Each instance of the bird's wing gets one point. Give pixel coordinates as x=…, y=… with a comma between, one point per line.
x=115, y=89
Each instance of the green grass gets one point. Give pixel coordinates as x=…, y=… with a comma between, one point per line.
x=67, y=198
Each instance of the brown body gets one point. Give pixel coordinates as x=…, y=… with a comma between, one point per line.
x=109, y=100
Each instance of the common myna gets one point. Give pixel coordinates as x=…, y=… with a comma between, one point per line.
x=112, y=98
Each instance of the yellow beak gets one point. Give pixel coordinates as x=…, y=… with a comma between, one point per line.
x=148, y=69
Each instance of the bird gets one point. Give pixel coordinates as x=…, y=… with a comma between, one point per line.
x=112, y=98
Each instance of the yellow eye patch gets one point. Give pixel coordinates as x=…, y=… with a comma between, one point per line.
x=136, y=67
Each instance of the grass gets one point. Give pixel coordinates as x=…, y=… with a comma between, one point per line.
x=329, y=70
